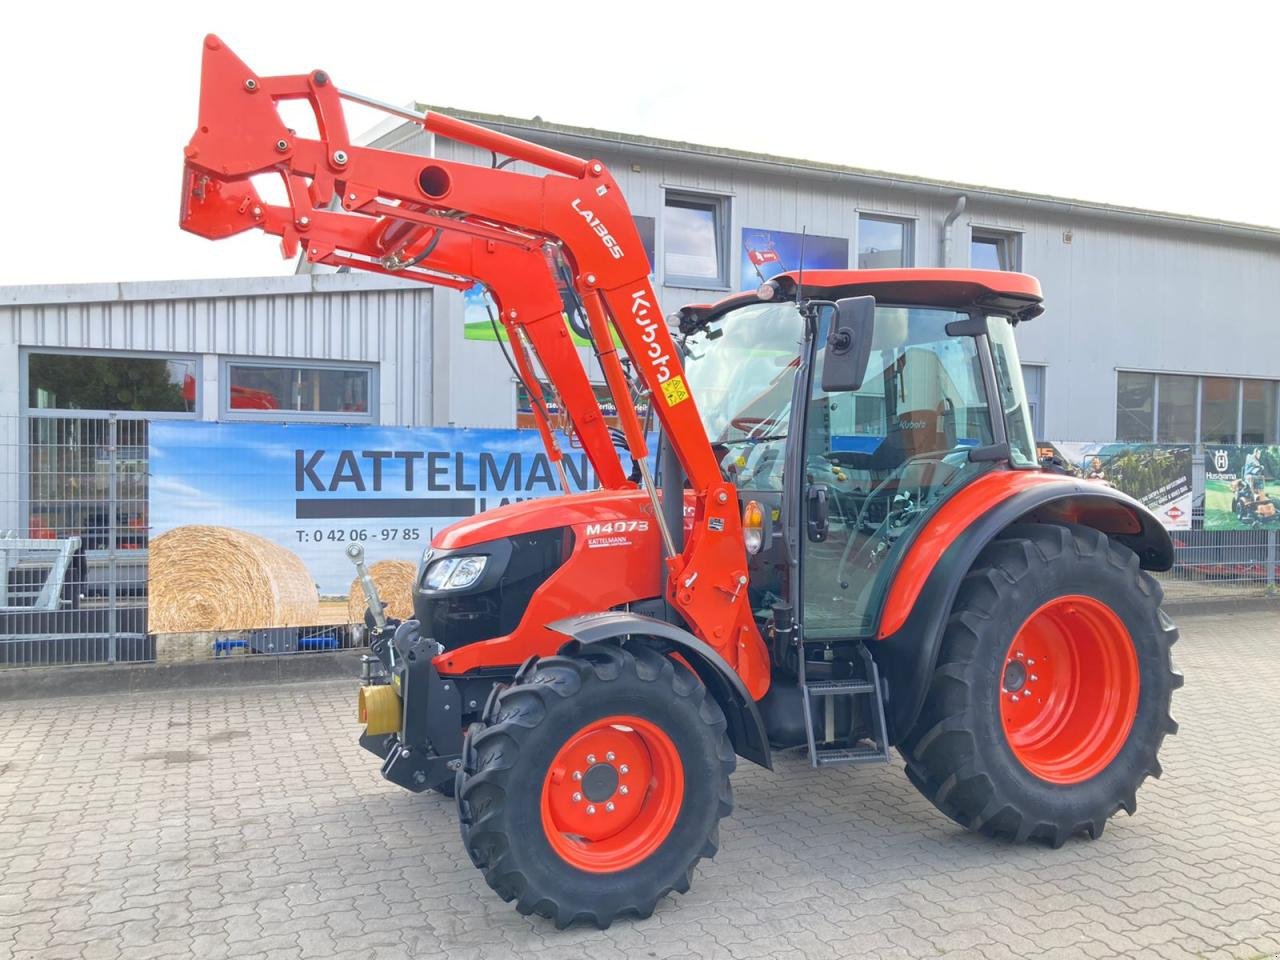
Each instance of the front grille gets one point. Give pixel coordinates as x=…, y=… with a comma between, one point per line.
x=457, y=618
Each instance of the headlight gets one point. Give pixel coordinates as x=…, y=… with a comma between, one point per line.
x=455, y=573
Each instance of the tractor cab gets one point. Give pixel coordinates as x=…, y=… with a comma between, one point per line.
x=851, y=473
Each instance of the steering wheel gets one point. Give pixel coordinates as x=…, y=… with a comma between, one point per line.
x=937, y=458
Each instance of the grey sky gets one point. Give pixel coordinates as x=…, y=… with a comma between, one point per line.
x=1140, y=104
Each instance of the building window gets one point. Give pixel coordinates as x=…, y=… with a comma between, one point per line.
x=1175, y=409
x=1135, y=407
x=106, y=383
x=1258, y=416
x=284, y=391
x=695, y=240
x=1170, y=408
x=993, y=250
x=525, y=419
x=885, y=242
x=1219, y=410
x=1033, y=380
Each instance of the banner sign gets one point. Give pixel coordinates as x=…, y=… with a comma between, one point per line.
x=1156, y=475
x=1241, y=487
x=767, y=253
x=253, y=513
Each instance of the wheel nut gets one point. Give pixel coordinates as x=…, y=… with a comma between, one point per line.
x=624, y=769
x=577, y=774
x=609, y=806
x=591, y=810
x=591, y=758
x=609, y=756
x=623, y=790
x=577, y=798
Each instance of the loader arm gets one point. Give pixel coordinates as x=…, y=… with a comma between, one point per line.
x=451, y=224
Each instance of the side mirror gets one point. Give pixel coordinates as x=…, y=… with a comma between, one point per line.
x=849, y=344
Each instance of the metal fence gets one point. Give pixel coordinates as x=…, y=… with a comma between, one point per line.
x=1223, y=565
x=74, y=535
x=73, y=549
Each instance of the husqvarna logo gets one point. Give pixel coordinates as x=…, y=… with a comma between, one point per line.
x=1220, y=461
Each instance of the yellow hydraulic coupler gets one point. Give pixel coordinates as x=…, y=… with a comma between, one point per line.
x=378, y=708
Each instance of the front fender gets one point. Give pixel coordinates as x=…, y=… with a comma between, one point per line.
x=746, y=728
x=921, y=595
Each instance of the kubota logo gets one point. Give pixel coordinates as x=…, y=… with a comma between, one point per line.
x=601, y=230
x=658, y=359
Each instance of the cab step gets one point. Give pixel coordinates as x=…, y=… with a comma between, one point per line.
x=875, y=752
x=869, y=753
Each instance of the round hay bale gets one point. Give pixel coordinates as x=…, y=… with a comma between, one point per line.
x=394, y=580
x=217, y=578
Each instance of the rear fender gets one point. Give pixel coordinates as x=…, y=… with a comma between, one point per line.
x=916, y=609
x=746, y=728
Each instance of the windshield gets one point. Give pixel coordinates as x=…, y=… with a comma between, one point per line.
x=742, y=370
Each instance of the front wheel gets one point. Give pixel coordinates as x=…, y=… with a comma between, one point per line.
x=596, y=784
x=1051, y=694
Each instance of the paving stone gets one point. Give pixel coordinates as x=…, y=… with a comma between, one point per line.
x=108, y=852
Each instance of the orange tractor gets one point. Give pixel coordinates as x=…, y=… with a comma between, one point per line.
x=849, y=545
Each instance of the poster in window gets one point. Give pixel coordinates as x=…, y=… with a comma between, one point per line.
x=1241, y=487
x=1156, y=475
x=767, y=253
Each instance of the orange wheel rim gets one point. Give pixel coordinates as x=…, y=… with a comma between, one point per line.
x=612, y=794
x=1069, y=689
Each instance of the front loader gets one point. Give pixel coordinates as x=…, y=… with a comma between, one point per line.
x=850, y=546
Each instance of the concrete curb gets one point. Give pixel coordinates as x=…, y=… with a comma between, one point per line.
x=1221, y=608
x=30, y=683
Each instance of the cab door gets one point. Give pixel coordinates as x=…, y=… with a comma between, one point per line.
x=877, y=459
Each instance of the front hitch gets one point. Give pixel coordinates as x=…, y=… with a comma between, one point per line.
x=413, y=715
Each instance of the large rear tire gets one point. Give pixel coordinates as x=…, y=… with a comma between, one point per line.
x=1051, y=694
x=595, y=784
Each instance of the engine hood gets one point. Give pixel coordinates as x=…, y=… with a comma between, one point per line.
x=544, y=513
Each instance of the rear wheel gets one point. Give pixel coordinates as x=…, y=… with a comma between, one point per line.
x=1051, y=694
x=595, y=784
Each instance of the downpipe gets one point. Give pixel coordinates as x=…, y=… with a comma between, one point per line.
x=947, y=243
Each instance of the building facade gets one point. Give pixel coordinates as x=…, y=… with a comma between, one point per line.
x=1158, y=327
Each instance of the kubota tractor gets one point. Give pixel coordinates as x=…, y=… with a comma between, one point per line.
x=851, y=546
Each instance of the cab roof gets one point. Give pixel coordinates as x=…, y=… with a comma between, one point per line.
x=1013, y=293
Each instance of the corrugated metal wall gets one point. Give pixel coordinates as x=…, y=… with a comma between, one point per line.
x=334, y=317
x=1127, y=291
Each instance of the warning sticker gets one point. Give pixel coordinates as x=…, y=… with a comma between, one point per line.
x=675, y=391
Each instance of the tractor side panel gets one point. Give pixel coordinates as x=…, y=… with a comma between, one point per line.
x=614, y=559
x=924, y=589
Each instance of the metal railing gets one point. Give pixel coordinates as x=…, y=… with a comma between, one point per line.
x=73, y=507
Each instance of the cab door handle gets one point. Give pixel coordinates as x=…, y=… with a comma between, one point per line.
x=818, y=514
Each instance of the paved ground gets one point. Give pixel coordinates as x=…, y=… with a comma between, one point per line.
x=248, y=823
